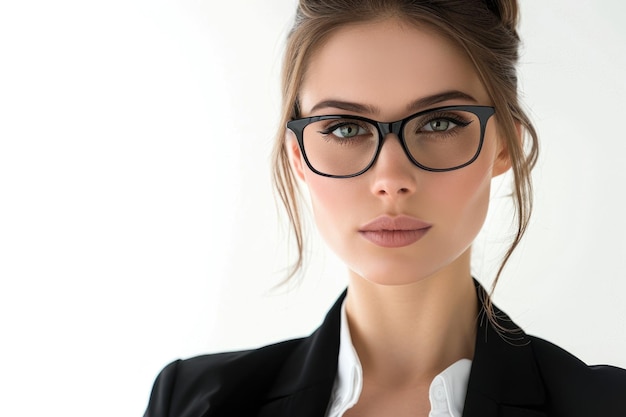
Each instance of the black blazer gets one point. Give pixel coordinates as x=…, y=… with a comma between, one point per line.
x=514, y=375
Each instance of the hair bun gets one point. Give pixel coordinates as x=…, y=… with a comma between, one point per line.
x=507, y=11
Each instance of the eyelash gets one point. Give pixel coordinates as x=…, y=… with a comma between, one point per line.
x=453, y=118
x=337, y=124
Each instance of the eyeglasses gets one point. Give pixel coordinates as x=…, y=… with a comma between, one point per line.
x=440, y=139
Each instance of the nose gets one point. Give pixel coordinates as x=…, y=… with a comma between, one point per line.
x=394, y=174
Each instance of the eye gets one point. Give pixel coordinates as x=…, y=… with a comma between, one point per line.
x=348, y=130
x=439, y=125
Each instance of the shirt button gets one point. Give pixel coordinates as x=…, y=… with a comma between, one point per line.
x=440, y=394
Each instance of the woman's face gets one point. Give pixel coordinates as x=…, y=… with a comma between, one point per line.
x=378, y=70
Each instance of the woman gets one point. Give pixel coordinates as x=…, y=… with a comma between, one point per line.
x=398, y=115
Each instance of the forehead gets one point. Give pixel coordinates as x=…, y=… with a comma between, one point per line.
x=387, y=65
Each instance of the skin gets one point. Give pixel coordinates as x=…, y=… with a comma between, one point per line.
x=412, y=310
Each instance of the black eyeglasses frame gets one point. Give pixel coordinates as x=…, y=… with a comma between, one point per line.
x=297, y=126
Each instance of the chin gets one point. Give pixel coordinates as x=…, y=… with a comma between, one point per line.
x=386, y=275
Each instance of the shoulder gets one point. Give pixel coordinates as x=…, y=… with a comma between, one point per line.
x=230, y=380
x=522, y=373
x=576, y=389
x=231, y=365
x=267, y=381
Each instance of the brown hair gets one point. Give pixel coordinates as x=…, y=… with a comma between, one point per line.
x=484, y=29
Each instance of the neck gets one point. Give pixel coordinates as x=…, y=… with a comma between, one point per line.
x=408, y=334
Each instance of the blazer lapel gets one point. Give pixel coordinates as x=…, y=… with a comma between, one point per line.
x=504, y=380
x=304, y=384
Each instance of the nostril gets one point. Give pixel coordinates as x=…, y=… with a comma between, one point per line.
x=384, y=191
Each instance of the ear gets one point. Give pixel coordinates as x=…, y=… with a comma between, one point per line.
x=295, y=155
x=502, y=163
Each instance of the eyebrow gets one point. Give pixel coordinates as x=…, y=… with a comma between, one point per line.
x=414, y=106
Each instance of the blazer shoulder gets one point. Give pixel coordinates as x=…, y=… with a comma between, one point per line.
x=273, y=380
x=233, y=380
x=576, y=389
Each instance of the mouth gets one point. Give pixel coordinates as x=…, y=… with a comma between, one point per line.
x=394, y=232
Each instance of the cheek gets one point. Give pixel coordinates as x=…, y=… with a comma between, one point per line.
x=461, y=199
x=477, y=200
x=332, y=200
x=321, y=191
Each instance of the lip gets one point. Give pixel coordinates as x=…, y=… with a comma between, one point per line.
x=394, y=232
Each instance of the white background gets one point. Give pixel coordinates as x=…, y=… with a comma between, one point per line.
x=137, y=222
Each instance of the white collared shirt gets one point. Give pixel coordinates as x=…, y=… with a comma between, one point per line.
x=446, y=394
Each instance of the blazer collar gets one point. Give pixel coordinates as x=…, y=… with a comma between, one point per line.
x=304, y=384
x=504, y=379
